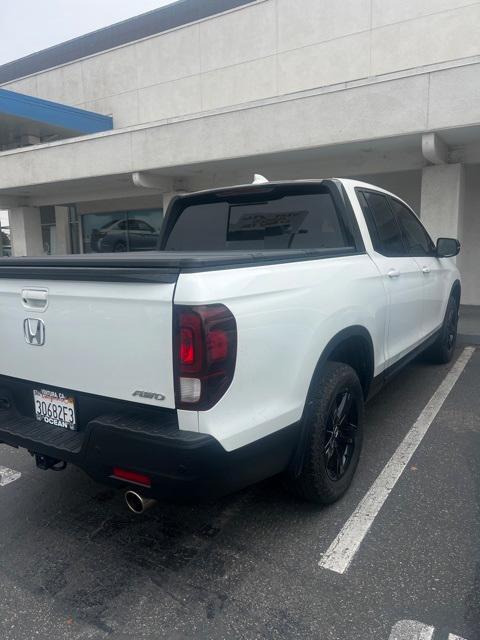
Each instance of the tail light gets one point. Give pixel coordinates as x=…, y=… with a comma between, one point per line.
x=205, y=351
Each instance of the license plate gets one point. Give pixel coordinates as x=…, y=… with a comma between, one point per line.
x=55, y=408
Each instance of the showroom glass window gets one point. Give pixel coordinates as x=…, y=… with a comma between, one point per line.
x=5, y=243
x=49, y=230
x=121, y=231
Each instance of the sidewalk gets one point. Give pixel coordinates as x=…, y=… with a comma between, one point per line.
x=469, y=325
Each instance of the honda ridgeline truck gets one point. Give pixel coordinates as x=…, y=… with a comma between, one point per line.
x=245, y=347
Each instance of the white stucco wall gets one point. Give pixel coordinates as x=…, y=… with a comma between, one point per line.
x=270, y=48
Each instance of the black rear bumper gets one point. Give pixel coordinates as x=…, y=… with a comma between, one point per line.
x=179, y=464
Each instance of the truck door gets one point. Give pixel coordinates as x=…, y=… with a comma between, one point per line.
x=403, y=278
x=422, y=249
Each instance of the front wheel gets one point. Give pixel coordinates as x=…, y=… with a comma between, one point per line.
x=441, y=351
x=334, y=436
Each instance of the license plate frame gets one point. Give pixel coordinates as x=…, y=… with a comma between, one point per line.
x=55, y=408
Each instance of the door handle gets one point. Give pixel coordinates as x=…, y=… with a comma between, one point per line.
x=426, y=270
x=393, y=273
x=35, y=299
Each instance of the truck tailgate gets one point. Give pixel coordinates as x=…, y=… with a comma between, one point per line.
x=111, y=339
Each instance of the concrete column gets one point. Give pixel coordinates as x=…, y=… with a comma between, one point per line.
x=443, y=188
x=26, y=231
x=62, y=231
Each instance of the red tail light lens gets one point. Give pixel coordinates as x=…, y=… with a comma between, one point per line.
x=187, y=346
x=191, y=348
x=205, y=353
x=217, y=345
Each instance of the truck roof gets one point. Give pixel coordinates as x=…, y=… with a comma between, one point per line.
x=262, y=186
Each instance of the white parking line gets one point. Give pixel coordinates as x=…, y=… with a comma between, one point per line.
x=343, y=549
x=8, y=475
x=411, y=630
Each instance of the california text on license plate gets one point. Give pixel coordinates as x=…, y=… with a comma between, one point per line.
x=54, y=408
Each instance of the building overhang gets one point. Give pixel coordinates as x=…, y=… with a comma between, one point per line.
x=340, y=132
x=25, y=120
x=354, y=159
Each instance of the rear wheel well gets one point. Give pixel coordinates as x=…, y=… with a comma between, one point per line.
x=357, y=352
x=352, y=346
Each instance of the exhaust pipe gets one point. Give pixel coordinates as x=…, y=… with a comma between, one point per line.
x=137, y=503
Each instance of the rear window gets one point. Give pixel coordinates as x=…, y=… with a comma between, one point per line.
x=300, y=221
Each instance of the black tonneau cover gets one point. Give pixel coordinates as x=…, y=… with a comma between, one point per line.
x=155, y=266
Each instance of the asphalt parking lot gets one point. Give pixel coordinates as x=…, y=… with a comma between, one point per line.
x=75, y=564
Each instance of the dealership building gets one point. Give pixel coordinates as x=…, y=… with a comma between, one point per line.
x=98, y=133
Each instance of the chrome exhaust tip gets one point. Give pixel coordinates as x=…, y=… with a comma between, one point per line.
x=137, y=503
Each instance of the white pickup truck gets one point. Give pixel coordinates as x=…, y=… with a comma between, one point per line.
x=244, y=347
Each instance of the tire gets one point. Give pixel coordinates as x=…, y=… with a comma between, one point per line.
x=442, y=350
x=331, y=451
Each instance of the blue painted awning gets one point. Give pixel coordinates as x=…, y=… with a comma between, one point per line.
x=26, y=115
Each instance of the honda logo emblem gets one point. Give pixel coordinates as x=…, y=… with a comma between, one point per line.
x=34, y=331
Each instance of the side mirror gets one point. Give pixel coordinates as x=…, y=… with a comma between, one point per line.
x=447, y=247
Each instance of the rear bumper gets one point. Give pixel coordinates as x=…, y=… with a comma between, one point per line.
x=180, y=464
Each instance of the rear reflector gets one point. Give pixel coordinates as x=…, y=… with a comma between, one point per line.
x=131, y=476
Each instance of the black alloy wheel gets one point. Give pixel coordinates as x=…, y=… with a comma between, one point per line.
x=442, y=350
x=451, y=328
x=340, y=435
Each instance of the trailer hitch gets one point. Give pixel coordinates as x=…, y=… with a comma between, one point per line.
x=46, y=462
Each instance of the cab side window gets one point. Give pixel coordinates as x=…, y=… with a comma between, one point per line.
x=382, y=225
x=417, y=240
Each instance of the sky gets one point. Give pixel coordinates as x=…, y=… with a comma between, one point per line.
x=27, y=26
